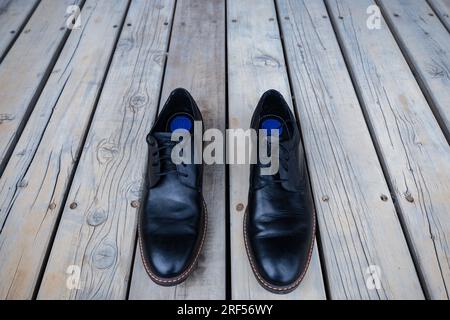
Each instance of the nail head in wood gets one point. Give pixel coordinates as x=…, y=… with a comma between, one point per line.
x=135, y=204
x=240, y=207
x=22, y=184
x=384, y=197
x=73, y=205
x=325, y=198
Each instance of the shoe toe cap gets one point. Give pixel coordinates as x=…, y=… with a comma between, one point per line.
x=279, y=261
x=170, y=256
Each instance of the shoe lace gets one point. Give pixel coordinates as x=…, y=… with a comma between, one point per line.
x=165, y=159
x=283, y=163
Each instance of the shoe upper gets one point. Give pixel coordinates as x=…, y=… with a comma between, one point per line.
x=171, y=220
x=280, y=223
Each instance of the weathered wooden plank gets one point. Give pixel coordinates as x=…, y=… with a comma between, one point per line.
x=41, y=169
x=255, y=64
x=197, y=62
x=62, y=76
x=24, y=70
x=413, y=148
x=13, y=15
x=442, y=9
x=357, y=219
x=426, y=45
x=97, y=231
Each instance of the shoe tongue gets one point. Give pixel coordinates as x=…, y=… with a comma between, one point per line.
x=286, y=143
x=165, y=153
x=283, y=145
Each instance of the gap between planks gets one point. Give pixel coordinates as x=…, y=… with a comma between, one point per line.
x=13, y=17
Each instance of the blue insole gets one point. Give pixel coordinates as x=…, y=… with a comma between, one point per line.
x=180, y=122
x=185, y=122
x=272, y=124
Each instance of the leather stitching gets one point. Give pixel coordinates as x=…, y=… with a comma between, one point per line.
x=186, y=273
x=256, y=272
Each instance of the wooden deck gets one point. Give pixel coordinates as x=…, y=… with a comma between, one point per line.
x=372, y=101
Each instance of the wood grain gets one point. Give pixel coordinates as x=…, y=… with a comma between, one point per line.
x=413, y=148
x=255, y=64
x=358, y=223
x=97, y=231
x=426, y=45
x=13, y=16
x=41, y=168
x=26, y=67
x=442, y=9
x=197, y=62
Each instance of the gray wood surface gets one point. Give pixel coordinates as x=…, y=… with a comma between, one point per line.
x=255, y=64
x=97, y=231
x=25, y=69
x=426, y=44
x=13, y=15
x=442, y=9
x=372, y=105
x=358, y=223
x=197, y=62
x=418, y=164
x=41, y=168
x=79, y=62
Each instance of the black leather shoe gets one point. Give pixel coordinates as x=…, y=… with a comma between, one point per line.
x=172, y=224
x=279, y=225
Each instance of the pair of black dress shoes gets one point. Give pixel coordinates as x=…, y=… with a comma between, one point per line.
x=279, y=223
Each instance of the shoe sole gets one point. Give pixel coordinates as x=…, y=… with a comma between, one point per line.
x=265, y=284
x=169, y=282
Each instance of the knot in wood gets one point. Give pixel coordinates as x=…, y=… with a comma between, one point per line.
x=106, y=151
x=96, y=218
x=138, y=101
x=104, y=256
